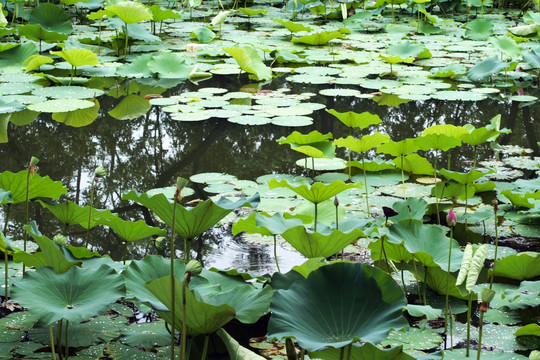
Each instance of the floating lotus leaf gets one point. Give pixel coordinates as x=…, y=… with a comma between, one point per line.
x=170, y=66
x=366, y=351
x=486, y=68
x=203, y=34
x=146, y=335
x=9, y=107
x=51, y=18
x=415, y=338
x=303, y=310
x=78, y=293
x=129, y=12
x=249, y=61
x=319, y=38
x=63, y=105
x=131, y=107
x=449, y=71
x=479, y=29
x=78, y=118
x=39, y=186
x=68, y=92
x=252, y=12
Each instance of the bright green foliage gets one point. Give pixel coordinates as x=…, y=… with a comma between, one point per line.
x=313, y=144
x=507, y=46
x=170, y=66
x=405, y=52
x=533, y=58
x=252, y=12
x=364, y=144
x=249, y=61
x=318, y=39
x=522, y=266
x=77, y=57
x=261, y=223
x=449, y=71
x=436, y=142
x=159, y=14
x=37, y=33
x=355, y=120
x=35, y=61
x=293, y=26
x=317, y=192
x=130, y=12
x=414, y=164
x=203, y=34
x=398, y=148
x=479, y=29
x=51, y=18
x=3, y=20
x=39, y=186
x=486, y=68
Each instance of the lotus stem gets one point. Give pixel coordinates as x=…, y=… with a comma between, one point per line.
x=349, y=158
x=469, y=311
x=184, y=316
x=417, y=282
x=90, y=211
x=6, y=257
x=205, y=347
x=342, y=353
x=52, y=341
x=67, y=340
x=383, y=252
x=495, y=210
x=451, y=328
x=315, y=226
x=426, y=269
x=402, y=173
x=349, y=350
x=30, y=171
x=126, y=45
x=313, y=167
x=302, y=353
x=403, y=282
x=72, y=72
x=59, y=337
x=173, y=304
x=448, y=281
x=435, y=183
x=366, y=185
x=474, y=157
x=275, y=253
x=479, y=348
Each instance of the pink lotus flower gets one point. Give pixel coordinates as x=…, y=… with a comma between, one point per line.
x=451, y=218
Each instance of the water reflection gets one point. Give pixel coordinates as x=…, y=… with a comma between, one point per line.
x=152, y=150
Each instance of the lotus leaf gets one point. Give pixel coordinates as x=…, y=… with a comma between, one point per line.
x=249, y=61
x=414, y=164
x=314, y=144
x=319, y=38
x=64, y=105
x=130, y=107
x=129, y=12
x=77, y=57
x=293, y=26
x=51, y=18
x=355, y=120
x=203, y=34
x=74, y=295
x=190, y=223
x=486, y=68
x=507, y=46
x=309, y=312
x=129, y=230
x=8, y=107
x=533, y=58
x=446, y=129
x=137, y=68
x=437, y=142
x=35, y=61
x=449, y=71
x=417, y=206
x=462, y=178
x=261, y=223
x=376, y=164
x=479, y=29
x=159, y=14
x=367, y=142
x=236, y=351
x=252, y=12
x=366, y=351
x=170, y=66
x=317, y=192
x=39, y=186
x=37, y=33
x=398, y=148
x=12, y=59
x=521, y=266
x=78, y=118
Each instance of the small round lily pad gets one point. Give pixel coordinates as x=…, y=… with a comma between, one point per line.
x=250, y=120
x=292, y=121
x=68, y=92
x=212, y=178
x=61, y=105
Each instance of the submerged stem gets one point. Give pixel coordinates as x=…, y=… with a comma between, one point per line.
x=275, y=253
x=67, y=340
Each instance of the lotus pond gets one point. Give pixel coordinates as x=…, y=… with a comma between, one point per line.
x=303, y=179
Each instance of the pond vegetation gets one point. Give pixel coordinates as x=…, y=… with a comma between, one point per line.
x=391, y=146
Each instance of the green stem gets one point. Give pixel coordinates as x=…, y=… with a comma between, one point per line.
x=479, y=349
x=90, y=211
x=417, y=282
x=27, y=213
x=350, y=166
x=59, y=336
x=52, y=341
x=402, y=174
x=6, y=257
x=342, y=353
x=448, y=281
x=435, y=182
x=275, y=253
x=474, y=158
x=315, y=226
x=496, y=248
x=425, y=284
x=403, y=283
x=173, y=303
x=126, y=45
x=451, y=328
x=67, y=340
x=366, y=185
x=184, y=317
x=313, y=167
x=383, y=252
x=349, y=350
x=205, y=347
x=469, y=311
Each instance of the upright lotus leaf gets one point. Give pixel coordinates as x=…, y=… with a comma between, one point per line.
x=77, y=57
x=317, y=192
x=448, y=71
x=525, y=200
x=70, y=213
x=75, y=295
x=522, y=266
x=3, y=20
x=354, y=120
x=506, y=45
x=236, y=351
x=201, y=317
x=365, y=351
x=462, y=178
x=412, y=208
x=428, y=243
x=446, y=129
x=79, y=117
x=398, y=148
x=261, y=223
x=414, y=164
x=11, y=60
x=35, y=61
x=373, y=165
x=366, y=143
x=129, y=230
x=252, y=12
x=192, y=222
x=159, y=14
x=437, y=142
x=452, y=190
x=314, y=144
x=51, y=17
x=170, y=66
x=486, y=68
x=130, y=107
x=39, y=186
x=293, y=26
x=405, y=52
x=130, y=12
x=37, y=33
x=533, y=58
x=50, y=254
x=479, y=29
x=310, y=310
x=249, y=61
x=324, y=242
x=203, y=34
x=319, y=38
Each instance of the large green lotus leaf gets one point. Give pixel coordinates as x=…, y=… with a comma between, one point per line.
x=533, y=58
x=451, y=190
x=252, y=12
x=235, y=350
x=427, y=242
x=39, y=186
x=417, y=206
x=305, y=139
x=525, y=265
x=5, y=197
x=317, y=192
x=129, y=12
x=249, y=61
x=68, y=92
x=61, y=105
x=50, y=252
x=393, y=252
x=35, y=61
x=9, y=107
x=355, y=120
x=436, y=279
x=51, y=18
x=159, y=14
x=376, y=164
x=37, y=33
x=448, y=71
x=309, y=145
x=319, y=38
x=407, y=50
x=486, y=68
x=203, y=34
x=398, y=148
x=437, y=142
x=446, y=129
x=366, y=351
x=310, y=310
x=201, y=318
x=293, y=26
x=78, y=118
x=190, y=223
x=146, y=335
x=462, y=178
x=520, y=199
x=414, y=164
x=137, y=68
x=77, y=57
x=367, y=142
x=257, y=223
x=323, y=243
x=506, y=45
x=479, y=29
x=170, y=66
x=3, y=20
x=129, y=230
x=75, y=295
x=11, y=60
x=70, y=213
x=130, y=107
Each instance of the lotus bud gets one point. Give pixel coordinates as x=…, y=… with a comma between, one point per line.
x=495, y=204
x=181, y=183
x=59, y=240
x=160, y=242
x=100, y=172
x=389, y=212
x=488, y=295
x=534, y=355
x=193, y=268
x=34, y=161
x=32, y=165
x=336, y=201
x=451, y=218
